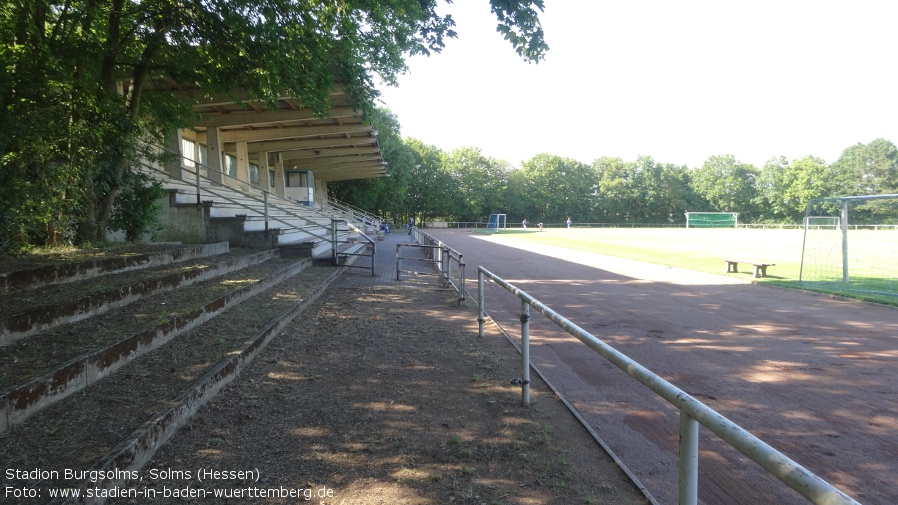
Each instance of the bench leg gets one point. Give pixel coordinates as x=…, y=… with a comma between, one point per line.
x=732, y=267
x=763, y=269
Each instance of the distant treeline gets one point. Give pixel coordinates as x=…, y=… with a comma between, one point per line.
x=463, y=185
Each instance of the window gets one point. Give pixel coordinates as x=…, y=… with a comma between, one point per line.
x=271, y=178
x=203, y=159
x=297, y=179
x=188, y=152
x=253, y=173
x=231, y=165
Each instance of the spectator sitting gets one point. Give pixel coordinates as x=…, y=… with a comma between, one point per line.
x=384, y=228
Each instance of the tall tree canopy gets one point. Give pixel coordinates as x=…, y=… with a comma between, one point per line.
x=727, y=184
x=869, y=169
x=558, y=187
x=464, y=185
x=76, y=100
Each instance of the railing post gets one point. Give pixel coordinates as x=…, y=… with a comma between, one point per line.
x=461, y=279
x=397, y=260
x=525, y=353
x=334, y=241
x=265, y=206
x=688, y=460
x=444, y=261
x=692, y=412
x=196, y=169
x=481, y=303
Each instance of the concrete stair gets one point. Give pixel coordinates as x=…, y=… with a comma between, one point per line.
x=101, y=387
x=239, y=217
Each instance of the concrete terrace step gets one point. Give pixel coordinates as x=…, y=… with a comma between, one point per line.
x=42, y=271
x=120, y=421
x=86, y=351
x=28, y=312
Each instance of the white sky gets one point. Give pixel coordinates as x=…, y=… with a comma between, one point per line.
x=676, y=80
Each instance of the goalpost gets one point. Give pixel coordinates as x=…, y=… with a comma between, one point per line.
x=495, y=223
x=851, y=244
x=712, y=219
x=822, y=221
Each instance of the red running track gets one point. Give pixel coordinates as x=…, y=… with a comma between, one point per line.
x=813, y=376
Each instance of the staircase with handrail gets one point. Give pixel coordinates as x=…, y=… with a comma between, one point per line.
x=247, y=215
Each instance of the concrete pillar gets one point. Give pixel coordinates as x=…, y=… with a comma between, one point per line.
x=173, y=166
x=242, y=162
x=279, y=182
x=264, y=181
x=213, y=146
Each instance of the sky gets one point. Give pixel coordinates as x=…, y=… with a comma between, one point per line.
x=679, y=81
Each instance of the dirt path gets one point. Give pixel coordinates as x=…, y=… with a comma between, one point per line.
x=382, y=392
x=812, y=376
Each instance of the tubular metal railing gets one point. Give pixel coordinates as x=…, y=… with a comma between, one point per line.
x=355, y=214
x=335, y=243
x=267, y=200
x=692, y=412
x=440, y=255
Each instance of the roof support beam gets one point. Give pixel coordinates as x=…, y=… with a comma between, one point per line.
x=251, y=118
x=341, y=161
x=311, y=143
x=290, y=132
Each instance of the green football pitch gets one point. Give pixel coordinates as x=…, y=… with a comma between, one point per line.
x=705, y=249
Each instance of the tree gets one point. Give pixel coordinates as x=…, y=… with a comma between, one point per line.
x=80, y=73
x=804, y=180
x=386, y=196
x=770, y=191
x=517, y=204
x=478, y=182
x=431, y=186
x=558, y=187
x=726, y=183
x=614, y=190
x=675, y=194
x=870, y=169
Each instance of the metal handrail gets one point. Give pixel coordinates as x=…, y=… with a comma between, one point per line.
x=210, y=188
x=442, y=255
x=358, y=214
x=692, y=412
x=334, y=242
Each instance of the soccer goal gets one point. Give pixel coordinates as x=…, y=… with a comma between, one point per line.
x=712, y=219
x=851, y=244
x=813, y=222
x=496, y=222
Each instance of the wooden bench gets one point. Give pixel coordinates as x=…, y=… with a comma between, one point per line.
x=760, y=267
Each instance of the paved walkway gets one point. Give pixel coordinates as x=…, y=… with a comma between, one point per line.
x=359, y=276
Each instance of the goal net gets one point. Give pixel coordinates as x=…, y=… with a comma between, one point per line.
x=495, y=223
x=712, y=219
x=851, y=244
x=815, y=222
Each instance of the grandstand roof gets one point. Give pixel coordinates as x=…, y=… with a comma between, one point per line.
x=341, y=146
